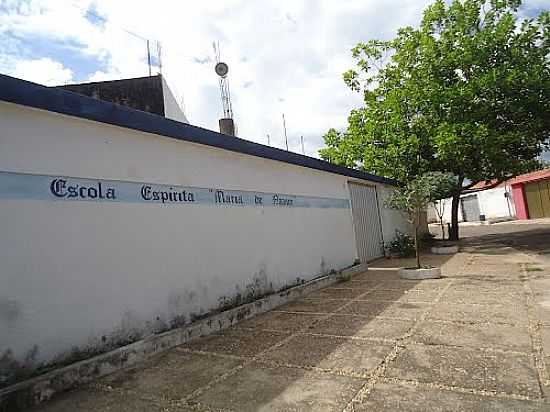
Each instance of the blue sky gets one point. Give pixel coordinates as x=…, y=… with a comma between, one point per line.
x=285, y=56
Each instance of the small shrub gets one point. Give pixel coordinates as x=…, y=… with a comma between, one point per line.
x=402, y=245
x=345, y=276
x=427, y=239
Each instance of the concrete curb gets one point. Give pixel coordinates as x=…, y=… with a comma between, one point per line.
x=444, y=250
x=420, y=274
x=41, y=388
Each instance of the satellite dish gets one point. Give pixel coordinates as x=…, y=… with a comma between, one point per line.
x=221, y=69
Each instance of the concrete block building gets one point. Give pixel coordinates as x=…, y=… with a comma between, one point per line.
x=118, y=223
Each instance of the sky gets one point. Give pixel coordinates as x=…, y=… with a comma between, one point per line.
x=284, y=56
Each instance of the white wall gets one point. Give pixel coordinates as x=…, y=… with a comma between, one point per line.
x=172, y=109
x=447, y=204
x=392, y=220
x=74, y=272
x=494, y=204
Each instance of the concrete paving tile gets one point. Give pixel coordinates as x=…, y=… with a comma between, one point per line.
x=340, y=292
x=453, y=295
x=396, y=310
x=540, y=286
x=363, y=283
x=542, y=309
x=262, y=388
x=545, y=335
x=401, y=295
x=349, y=325
x=176, y=375
x=467, y=368
x=505, y=314
x=402, y=397
x=237, y=342
x=446, y=262
x=483, y=272
x=86, y=400
x=434, y=285
x=280, y=321
x=374, y=275
x=474, y=335
x=479, y=275
x=313, y=305
x=497, y=286
x=340, y=354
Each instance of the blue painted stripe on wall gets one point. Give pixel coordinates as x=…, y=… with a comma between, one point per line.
x=62, y=188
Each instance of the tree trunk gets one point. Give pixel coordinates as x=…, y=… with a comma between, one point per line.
x=453, y=234
x=416, y=224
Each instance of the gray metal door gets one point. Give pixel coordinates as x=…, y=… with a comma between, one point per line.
x=366, y=221
x=470, y=208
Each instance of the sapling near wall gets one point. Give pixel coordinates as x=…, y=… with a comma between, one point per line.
x=415, y=196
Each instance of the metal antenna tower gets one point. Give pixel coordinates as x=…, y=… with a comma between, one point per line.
x=221, y=70
x=149, y=58
x=284, y=127
x=159, y=56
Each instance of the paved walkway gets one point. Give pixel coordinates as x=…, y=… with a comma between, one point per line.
x=476, y=340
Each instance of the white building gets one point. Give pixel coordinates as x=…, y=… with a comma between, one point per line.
x=117, y=223
x=483, y=201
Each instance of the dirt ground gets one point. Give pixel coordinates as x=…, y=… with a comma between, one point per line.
x=476, y=340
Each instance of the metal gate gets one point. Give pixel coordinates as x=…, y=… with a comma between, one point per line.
x=538, y=199
x=470, y=208
x=366, y=221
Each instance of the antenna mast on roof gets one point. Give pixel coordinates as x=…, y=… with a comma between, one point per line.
x=159, y=55
x=284, y=127
x=227, y=126
x=149, y=58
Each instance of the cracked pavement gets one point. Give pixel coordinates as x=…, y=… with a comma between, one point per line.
x=476, y=340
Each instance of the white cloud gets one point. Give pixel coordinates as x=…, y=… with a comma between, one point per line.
x=290, y=54
x=284, y=55
x=44, y=71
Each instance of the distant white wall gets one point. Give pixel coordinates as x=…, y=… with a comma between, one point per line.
x=79, y=274
x=493, y=203
x=172, y=109
x=447, y=204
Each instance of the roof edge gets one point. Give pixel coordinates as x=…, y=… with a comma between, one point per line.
x=100, y=81
x=61, y=101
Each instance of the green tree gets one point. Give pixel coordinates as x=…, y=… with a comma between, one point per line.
x=466, y=92
x=416, y=195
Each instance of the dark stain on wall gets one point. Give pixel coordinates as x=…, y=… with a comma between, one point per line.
x=10, y=310
x=132, y=329
x=13, y=370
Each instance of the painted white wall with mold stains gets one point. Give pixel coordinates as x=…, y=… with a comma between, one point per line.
x=74, y=272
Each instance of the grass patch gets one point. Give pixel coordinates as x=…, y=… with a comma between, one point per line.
x=345, y=277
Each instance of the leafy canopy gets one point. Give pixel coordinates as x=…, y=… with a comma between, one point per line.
x=466, y=92
x=417, y=194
